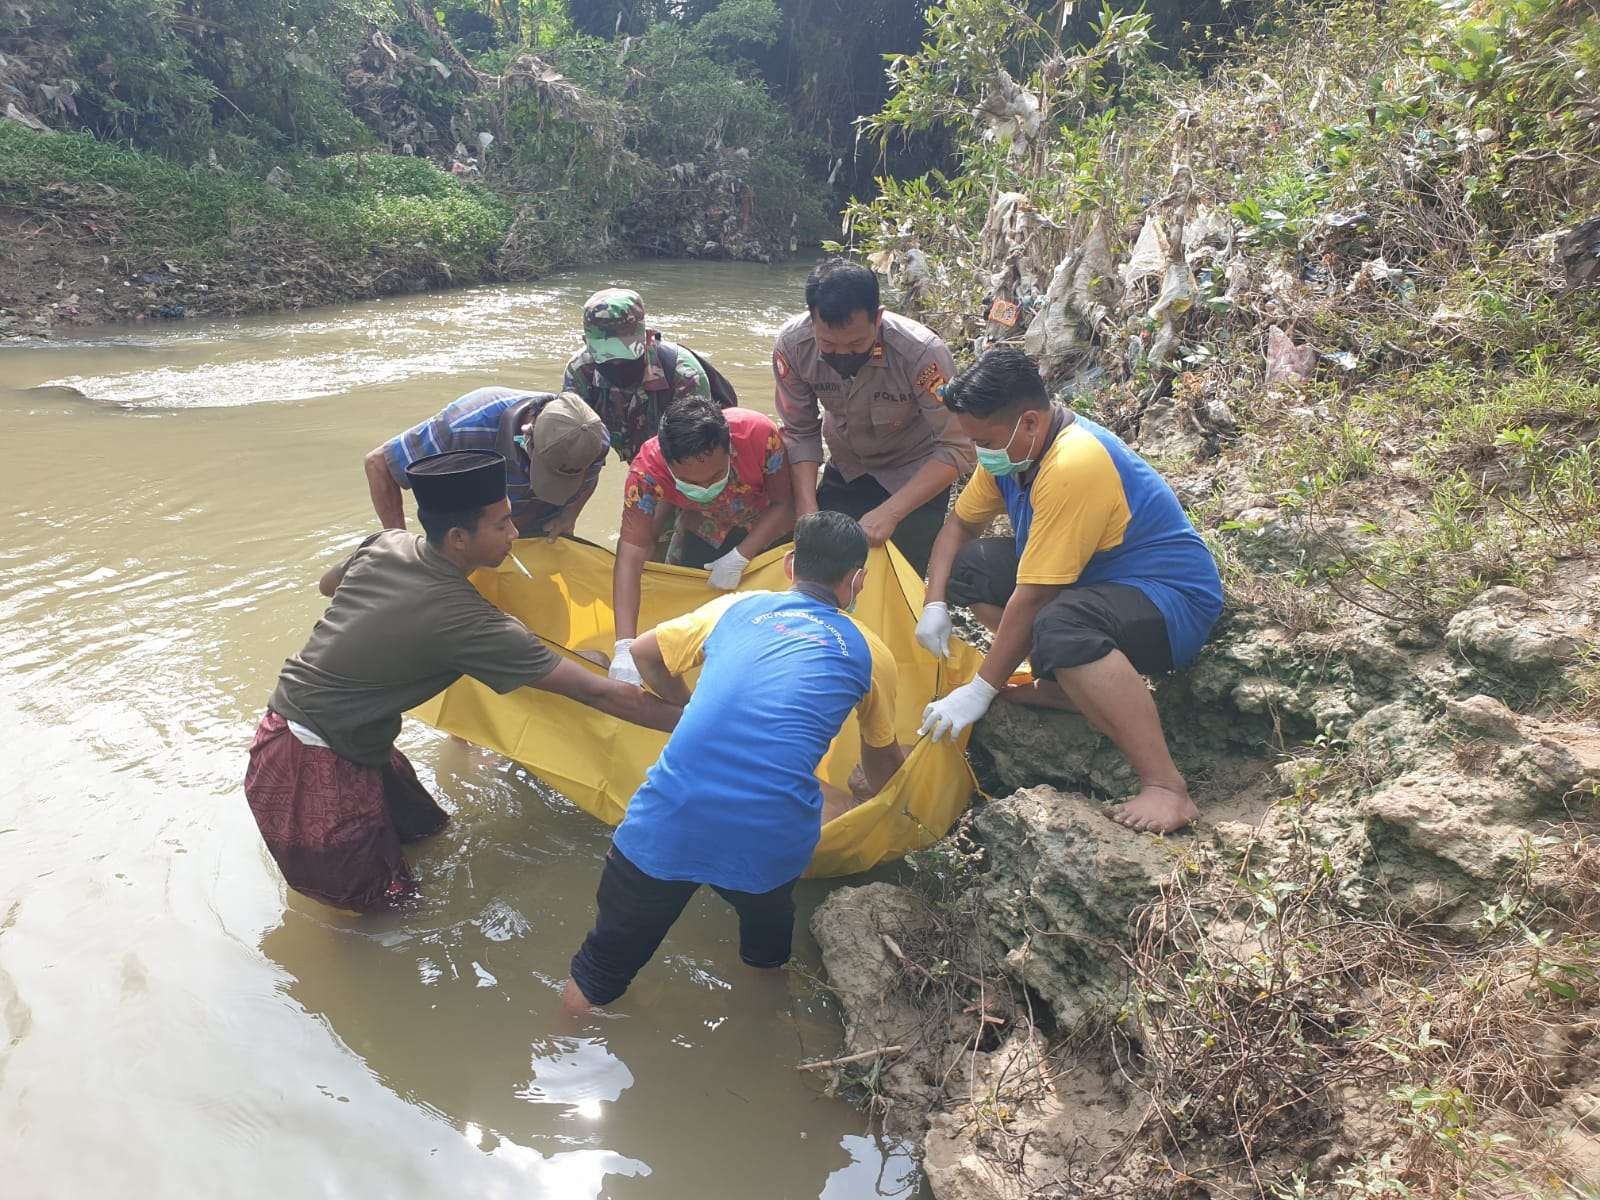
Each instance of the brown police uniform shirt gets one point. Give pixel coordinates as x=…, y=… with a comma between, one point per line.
x=404, y=624
x=886, y=421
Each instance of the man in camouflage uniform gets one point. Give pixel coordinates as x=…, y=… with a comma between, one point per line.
x=620, y=371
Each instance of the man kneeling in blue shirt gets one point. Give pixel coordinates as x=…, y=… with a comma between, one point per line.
x=734, y=800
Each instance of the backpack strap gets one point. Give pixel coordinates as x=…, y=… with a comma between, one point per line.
x=667, y=356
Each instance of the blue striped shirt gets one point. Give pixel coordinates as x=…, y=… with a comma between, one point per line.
x=489, y=419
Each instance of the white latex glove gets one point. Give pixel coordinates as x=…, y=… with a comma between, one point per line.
x=727, y=570
x=933, y=630
x=948, y=717
x=622, y=668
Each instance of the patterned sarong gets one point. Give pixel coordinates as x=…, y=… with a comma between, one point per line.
x=333, y=826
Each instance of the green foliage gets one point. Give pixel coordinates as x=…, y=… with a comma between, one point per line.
x=739, y=24
x=941, y=83
x=1067, y=170
x=1376, y=1178
x=349, y=209
x=1500, y=462
x=677, y=100
x=1283, y=199
x=1443, y=1117
x=1489, y=121
x=675, y=131
x=937, y=84
x=207, y=75
x=1328, y=457
x=389, y=200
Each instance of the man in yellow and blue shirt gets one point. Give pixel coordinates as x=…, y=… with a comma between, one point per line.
x=1104, y=579
x=734, y=800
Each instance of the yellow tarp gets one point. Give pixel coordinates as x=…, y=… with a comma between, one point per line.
x=599, y=761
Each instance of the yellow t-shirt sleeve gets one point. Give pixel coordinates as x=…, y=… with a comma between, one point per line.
x=1079, y=509
x=682, y=640
x=876, y=710
x=980, y=501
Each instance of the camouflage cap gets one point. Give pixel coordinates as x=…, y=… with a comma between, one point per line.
x=613, y=324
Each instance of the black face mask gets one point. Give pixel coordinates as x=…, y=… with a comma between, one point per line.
x=847, y=364
x=621, y=372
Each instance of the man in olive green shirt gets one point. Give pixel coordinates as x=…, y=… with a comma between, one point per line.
x=332, y=796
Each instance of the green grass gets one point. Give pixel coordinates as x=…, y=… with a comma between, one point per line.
x=1550, y=404
x=1316, y=465
x=350, y=209
x=1478, y=468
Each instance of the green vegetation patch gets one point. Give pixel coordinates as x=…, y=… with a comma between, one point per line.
x=350, y=209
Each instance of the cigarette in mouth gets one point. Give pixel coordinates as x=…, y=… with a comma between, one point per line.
x=520, y=567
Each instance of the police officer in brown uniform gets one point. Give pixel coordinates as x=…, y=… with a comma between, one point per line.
x=867, y=382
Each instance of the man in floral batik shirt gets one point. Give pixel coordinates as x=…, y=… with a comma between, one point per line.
x=725, y=474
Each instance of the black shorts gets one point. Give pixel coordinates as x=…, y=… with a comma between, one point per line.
x=635, y=911
x=1082, y=625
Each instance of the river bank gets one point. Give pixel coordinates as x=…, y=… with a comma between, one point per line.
x=1340, y=293
x=158, y=164
x=92, y=233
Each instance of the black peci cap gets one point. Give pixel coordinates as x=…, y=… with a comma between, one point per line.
x=458, y=480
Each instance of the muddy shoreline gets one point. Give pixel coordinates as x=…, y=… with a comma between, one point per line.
x=70, y=271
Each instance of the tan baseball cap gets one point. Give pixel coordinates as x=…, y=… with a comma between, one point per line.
x=568, y=436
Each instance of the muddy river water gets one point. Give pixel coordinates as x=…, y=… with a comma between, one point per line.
x=172, y=1021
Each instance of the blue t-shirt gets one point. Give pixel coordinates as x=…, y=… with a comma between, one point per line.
x=1095, y=512
x=734, y=799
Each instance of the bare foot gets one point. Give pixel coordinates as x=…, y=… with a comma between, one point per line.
x=1156, y=810
x=1041, y=693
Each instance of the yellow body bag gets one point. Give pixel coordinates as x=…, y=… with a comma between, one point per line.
x=599, y=761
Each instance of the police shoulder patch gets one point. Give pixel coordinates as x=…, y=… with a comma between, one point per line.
x=780, y=364
x=930, y=379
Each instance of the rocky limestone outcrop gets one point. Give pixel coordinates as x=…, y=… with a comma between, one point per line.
x=1518, y=647
x=1059, y=884
x=1258, y=688
x=1433, y=797
x=1001, y=1119
x=1255, y=690
x=859, y=931
x=1018, y=1124
x=1474, y=793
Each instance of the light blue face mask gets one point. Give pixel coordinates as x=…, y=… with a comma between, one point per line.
x=855, y=595
x=999, y=462
x=705, y=494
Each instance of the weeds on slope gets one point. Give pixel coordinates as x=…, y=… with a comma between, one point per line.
x=1269, y=1014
